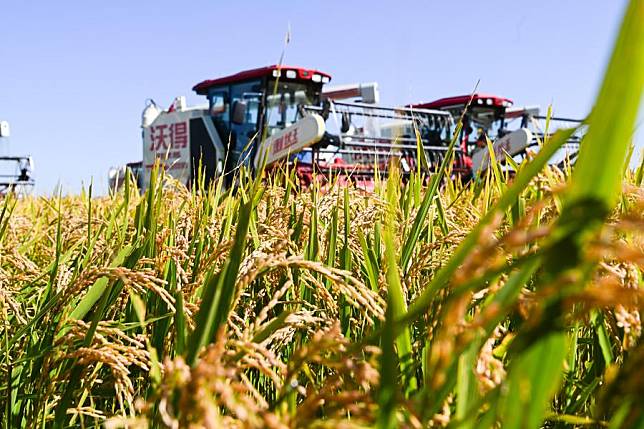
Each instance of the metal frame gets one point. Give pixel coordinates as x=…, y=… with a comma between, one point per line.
x=379, y=149
x=22, y=180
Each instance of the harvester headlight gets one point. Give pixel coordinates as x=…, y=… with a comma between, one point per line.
x=479, y=101
x=316, y=77
x=325, y=79
x=276, y=73
x=489, y=101
x=291, y=74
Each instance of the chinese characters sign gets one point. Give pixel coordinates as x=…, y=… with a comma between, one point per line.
x=289, y=139
x=167, y=140
x=303, y=133
x=166, y=136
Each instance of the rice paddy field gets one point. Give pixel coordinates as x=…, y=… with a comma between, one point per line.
x=508, y=301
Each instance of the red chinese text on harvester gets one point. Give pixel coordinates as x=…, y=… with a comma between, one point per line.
x=169, y=135
x=284, y=142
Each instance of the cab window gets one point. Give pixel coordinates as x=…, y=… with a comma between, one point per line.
x=218, y=105
x=250, y=93
x=282, y=101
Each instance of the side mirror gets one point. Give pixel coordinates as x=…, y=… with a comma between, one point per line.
x=346, y=122
x=239, y=112
x=217, y=109
x=326, y=109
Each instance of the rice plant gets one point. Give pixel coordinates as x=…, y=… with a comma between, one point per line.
x=508, y=301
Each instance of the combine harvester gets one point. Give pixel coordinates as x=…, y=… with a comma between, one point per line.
x=15, y=171
x=512, y=130
x=275, y=114
x=281, y=113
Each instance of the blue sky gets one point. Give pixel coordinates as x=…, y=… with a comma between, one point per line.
x=74, y=75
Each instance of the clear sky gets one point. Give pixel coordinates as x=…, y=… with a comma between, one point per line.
x=74, y=75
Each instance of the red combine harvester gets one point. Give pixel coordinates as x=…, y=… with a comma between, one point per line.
x=512, y=130
x=280, y=113
x=15, y=171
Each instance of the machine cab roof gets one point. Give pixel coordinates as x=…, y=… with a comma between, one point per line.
x=484, y=109
x=250, y=105
x=284, y=72
x=460, y=101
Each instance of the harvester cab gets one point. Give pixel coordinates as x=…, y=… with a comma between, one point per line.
x=513, y=130
x=262, y=116
x=217, y=138
x=257, y=106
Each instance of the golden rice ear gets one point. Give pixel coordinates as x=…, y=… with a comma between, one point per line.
x=512, y=302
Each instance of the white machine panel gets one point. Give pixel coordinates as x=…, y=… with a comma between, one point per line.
x=512, y=143
x=290, y=140
x=167, y=139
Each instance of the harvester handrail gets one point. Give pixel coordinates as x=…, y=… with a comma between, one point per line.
x=391, y=152
x=394, y=144
x=14, y=158
x=558, y=119
x=396, y=113
x=370, y=114
x=395, y=109
x=13, y=175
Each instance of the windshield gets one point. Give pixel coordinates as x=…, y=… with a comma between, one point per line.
x=282, y=103
x=484, y=121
